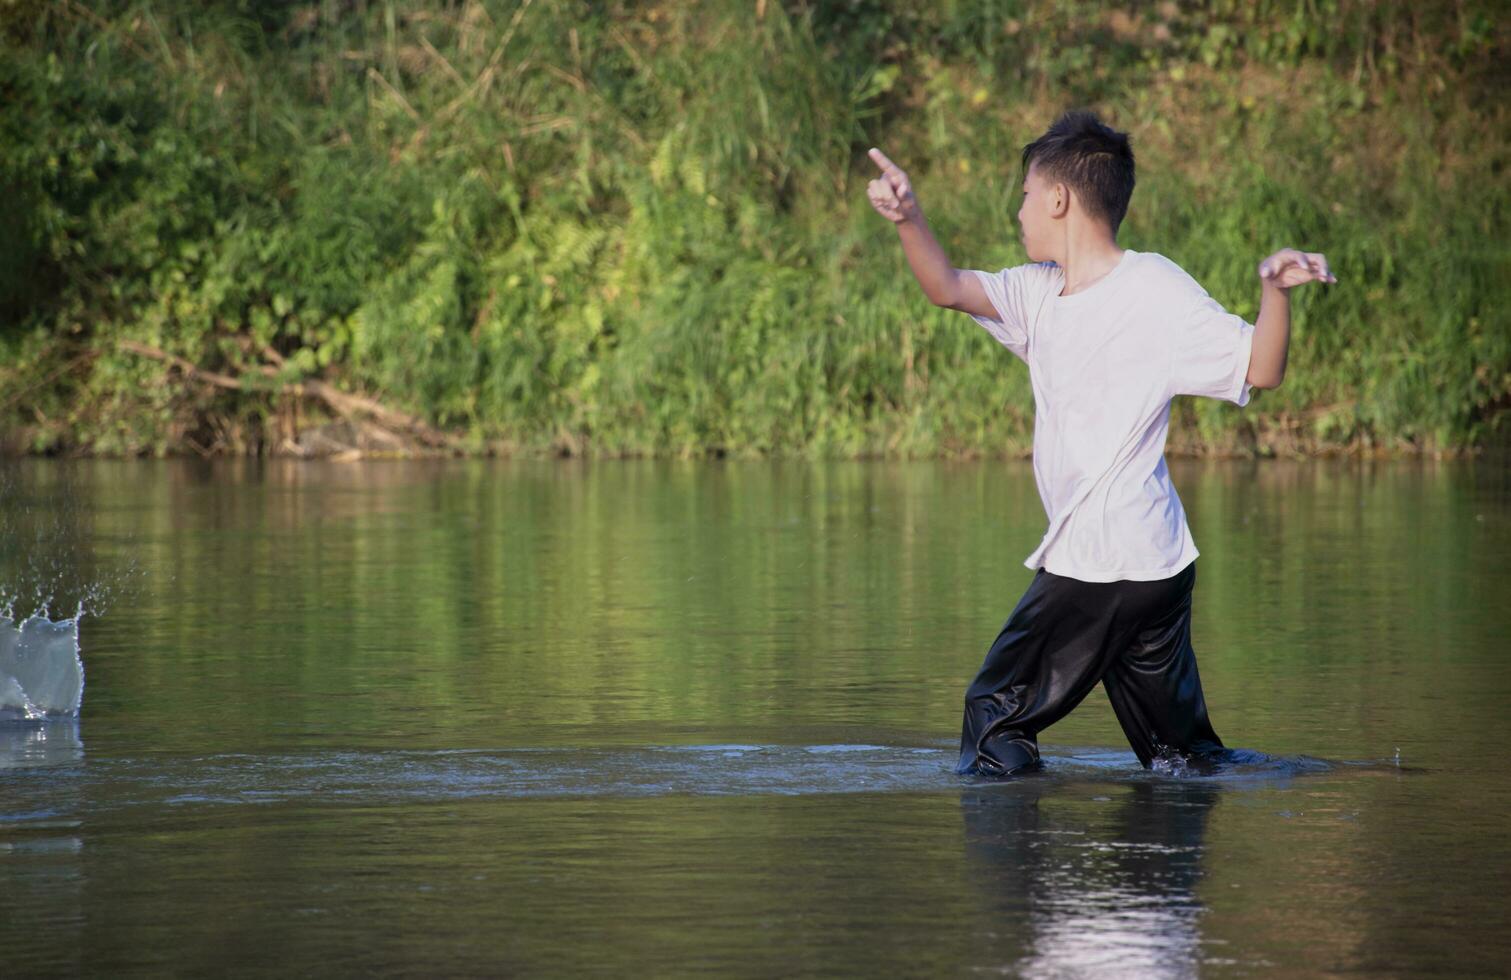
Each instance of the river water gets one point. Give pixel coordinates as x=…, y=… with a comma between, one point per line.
x=665, y=718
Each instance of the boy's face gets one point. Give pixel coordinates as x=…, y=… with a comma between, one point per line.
x=1042, y=203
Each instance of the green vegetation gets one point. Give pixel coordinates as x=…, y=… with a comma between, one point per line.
x=641, y=228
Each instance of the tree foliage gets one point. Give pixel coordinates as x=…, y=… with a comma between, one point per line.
x=640, y=228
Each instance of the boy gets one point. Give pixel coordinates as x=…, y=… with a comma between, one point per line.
x=1110, y=335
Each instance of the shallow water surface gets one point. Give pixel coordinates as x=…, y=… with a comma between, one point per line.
x=667, y=718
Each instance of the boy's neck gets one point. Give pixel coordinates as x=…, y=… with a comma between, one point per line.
x=1086, y=260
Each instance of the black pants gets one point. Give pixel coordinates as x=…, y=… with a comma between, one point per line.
x=1066, y=635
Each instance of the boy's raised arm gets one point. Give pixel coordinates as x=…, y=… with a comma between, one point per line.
x=891, y=195
x=1287, y=268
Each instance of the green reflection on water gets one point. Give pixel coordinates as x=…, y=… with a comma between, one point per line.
x=1343, y=610
x=522, y=603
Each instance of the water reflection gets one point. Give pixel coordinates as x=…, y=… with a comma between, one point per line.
x=42, y=877
x=488, y=717
x=1098, y=878
x=30, y=744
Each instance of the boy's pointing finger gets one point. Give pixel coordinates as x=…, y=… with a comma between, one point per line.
x=880, y=159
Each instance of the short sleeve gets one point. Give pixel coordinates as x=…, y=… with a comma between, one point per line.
x=1211, y=353
x=1010, y=292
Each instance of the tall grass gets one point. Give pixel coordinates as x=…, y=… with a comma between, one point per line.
x=641, y=228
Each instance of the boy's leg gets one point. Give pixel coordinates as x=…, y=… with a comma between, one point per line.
x=1154, y=687
x=1050, y=654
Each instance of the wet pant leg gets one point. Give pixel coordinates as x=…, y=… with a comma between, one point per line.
x=1063, y=637
x=1155, y=689
x=1052, y=651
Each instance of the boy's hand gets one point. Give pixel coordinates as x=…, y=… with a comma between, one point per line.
x=1289, y=267
x=891, y=194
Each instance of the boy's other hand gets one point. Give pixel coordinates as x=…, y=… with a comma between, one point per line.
x=1290, y=267
x=891, y=194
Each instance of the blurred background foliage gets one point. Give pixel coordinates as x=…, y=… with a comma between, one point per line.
x=641, y=228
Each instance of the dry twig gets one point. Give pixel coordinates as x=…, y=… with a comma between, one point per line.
x=361, y=411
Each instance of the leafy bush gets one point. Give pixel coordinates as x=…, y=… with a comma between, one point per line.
x=641, y=228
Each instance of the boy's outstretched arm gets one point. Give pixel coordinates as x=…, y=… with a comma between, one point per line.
x=1272, y=331
x=891, y=195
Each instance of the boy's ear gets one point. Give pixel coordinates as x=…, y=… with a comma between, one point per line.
x=1060, y=203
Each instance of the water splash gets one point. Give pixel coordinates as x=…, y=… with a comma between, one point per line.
x=41, y=672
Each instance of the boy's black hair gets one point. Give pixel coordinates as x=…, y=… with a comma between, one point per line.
x=1095, y=160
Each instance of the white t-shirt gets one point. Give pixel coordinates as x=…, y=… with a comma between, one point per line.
x=1104, y=364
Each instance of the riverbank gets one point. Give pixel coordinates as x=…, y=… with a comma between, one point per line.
x=532, y=229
